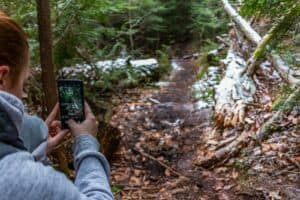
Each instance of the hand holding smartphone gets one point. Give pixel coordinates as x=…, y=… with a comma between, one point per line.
x=71, y=101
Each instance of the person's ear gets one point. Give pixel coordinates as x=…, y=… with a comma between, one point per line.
x=4, y=71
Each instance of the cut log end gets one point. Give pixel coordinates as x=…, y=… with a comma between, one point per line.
x=233, y=93
x=230, y=115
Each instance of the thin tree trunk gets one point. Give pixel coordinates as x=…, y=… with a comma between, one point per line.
x=46, y=58
x=130, y=26
x=243, y=24
x=48, y=77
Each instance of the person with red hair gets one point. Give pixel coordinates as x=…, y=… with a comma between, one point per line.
x=23, y=176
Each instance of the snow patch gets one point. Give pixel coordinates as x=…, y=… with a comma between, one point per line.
x=175, y=68
x=204, y=89
x=162, y=84
x=234, y=86
x=144, y=67
x=266, y=66
x=203, y=104
x=175, y=65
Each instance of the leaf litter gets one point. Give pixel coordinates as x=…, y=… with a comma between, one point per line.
x=164, y=134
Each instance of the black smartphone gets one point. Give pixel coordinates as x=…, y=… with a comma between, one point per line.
x=71, y=101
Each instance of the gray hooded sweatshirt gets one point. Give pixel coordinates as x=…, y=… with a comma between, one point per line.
x=24, y=178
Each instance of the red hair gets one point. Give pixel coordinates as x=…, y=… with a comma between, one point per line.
x=14, y=48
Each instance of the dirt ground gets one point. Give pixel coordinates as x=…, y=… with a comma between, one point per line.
x=162, y=133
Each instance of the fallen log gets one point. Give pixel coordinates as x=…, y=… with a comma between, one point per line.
x=274, y=34
x=236, y=89
x=283, y=69
x=243, y=24
x=233, y=93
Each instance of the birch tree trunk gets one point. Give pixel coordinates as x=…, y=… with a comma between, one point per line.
x=234, y=92
x=251, y=34
x=284, y=70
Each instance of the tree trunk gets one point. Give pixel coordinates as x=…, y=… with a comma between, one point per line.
x=46, y=58
x=243, y=24
x=48, y=77
x=130, y=26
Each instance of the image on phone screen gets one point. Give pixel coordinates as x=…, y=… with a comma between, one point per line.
x=71, y=101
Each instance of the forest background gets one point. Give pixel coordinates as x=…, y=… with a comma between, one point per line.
x=87, y=31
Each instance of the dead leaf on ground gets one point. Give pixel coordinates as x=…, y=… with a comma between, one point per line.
x=218, y=186
x=235, y=174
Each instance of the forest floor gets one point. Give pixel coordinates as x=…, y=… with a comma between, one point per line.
x=162, y=134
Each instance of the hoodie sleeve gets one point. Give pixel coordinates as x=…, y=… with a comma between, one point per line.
x=36, y=181
x=34, y=135
x=92, y=168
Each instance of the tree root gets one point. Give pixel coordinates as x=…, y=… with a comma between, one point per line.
x=235, y=147
x=140, y=151
x=226, y=152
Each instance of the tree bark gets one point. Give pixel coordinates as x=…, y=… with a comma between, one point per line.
x=233, y=93
x=48, y=77
x=251, y=34
x=46, y=57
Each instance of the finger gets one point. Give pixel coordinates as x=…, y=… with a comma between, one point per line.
x=87, y=109
x=56, y=124
x=72, y=124
x=61, y=135
x=88, y=112
x=53, y=114
x=56, y=140
x=54, y=127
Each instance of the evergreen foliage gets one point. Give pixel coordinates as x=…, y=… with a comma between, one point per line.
x=274, y=8
x=85, y=31
x=209, y=19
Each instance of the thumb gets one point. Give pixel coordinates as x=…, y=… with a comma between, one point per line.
x=72, y=124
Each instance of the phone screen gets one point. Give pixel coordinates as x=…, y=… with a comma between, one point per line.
x=71, y=101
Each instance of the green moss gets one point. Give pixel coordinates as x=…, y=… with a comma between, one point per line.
x=116, y=189
x=285, y=91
